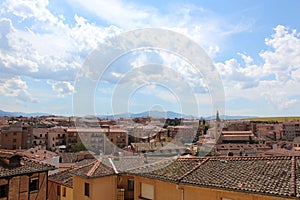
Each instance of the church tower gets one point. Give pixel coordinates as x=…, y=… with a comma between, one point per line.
x=218, y=126
x=216, y=130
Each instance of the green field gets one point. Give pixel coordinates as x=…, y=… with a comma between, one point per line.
x=278, y=119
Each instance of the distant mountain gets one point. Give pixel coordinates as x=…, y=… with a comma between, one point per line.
x=17, y=114
x=168, y=114
x=155, y=114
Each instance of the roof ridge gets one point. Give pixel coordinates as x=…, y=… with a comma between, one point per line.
x=293, y=177
x=194, y=168
x=252, y=157
x=69, y=169
x=95, y=166
x=113, y=165
x=37, y=162
x=79, y=167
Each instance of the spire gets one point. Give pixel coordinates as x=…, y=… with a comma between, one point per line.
x=218, y=117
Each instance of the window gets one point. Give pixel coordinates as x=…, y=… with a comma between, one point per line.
x=130, y=184
x=64, y=192
x=14, y=140
x=87, y=189
x=147, y=191
x=3, y=191
x=34, y=184
x=58, y=190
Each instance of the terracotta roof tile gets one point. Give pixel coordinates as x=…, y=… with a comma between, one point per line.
x=169, y=170
x=277, y=176
x=262, y=175
x=63, y=177
x=26, y=166
x=93, y=170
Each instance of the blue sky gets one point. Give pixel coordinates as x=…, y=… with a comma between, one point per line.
x=255, y=46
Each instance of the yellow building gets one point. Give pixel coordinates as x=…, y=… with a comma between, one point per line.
x=236, y=178
x=187, y=177
x=60, y=186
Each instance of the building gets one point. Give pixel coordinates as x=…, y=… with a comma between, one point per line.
x=42, y=155
x=290, y=130
x=56, y=138
x=72, y=137
x=39, y=136
x=237, y=137
x=60, y=185
x=22, y=178
x=219, y=178
x=240, y=149
x=16, y=136
x=216, y=128
x=185, y=177
x=104, y=140
x=267, y=131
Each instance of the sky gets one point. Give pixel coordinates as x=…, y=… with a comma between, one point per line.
x=253, y=45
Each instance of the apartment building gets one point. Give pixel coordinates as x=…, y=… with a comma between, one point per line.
x=290, y=130
x=269, y=131
x=16, y=136
x=104, y=140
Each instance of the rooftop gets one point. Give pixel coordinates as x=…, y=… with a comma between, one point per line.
x=263, y=175
x=24, y=165
x=94, y=169
x=63, y=177
x=273, y=175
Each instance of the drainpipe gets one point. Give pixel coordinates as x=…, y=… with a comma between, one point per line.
x=182, y=191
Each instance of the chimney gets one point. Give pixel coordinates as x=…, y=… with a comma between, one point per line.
x=11, y=160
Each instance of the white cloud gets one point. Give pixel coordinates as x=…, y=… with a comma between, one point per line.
x=65, y=46
x=247, y=59
x=16, y=87
x=118, y=12
x=44, y=46
x=280, y=100
x=63, y=88
x=235, y=76
x=285, y=56
x=30, y=9
x=203, y=26
x=276, y=79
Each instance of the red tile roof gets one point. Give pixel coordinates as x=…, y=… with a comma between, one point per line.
x=264, y=175
x=93, y=170
x=26, y=165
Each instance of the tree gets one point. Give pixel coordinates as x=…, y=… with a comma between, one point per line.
x=79, y=146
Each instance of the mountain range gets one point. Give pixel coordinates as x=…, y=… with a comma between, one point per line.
x=155, y=114
x=17, y=114
x=168, y=114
